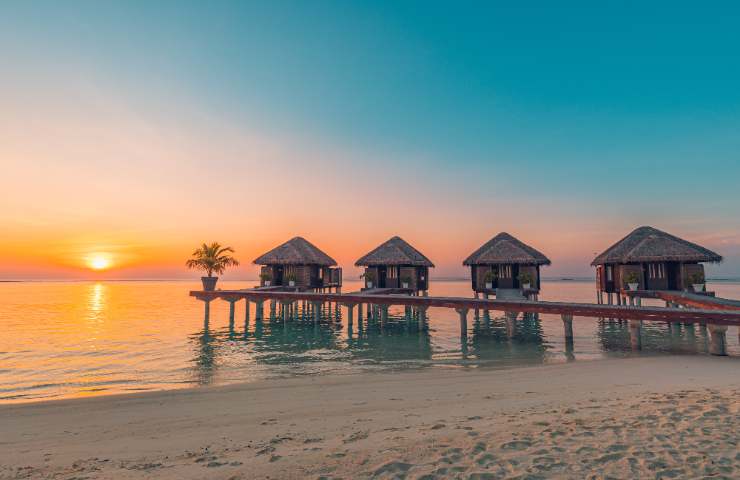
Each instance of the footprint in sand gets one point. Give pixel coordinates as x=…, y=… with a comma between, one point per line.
x=516, y=445
x=393, y=470
x=360, y=435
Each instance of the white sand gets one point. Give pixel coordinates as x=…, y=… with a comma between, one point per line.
x=625, y=418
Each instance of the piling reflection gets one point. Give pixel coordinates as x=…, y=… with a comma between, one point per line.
x=503, y=339
x=615, y=336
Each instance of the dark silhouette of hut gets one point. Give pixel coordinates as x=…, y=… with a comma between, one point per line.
x=651, y=259
x=396, y=264
x=504, y=262
x=300, y=264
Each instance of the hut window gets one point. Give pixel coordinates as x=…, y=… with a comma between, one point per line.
x=392, y=272
x=656, y=270
x=506, y=271
x=321, y=273
x=609, y=275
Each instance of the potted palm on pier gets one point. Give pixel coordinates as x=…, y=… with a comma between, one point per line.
x=488, y=279
x=212, y=259
x=525, y=279
x=632, y=280
x=291, y=279
x=266, y=279
x=369, y=279
x=697, y=282
x=405, y=282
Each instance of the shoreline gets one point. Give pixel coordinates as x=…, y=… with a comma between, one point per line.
x=367, y=425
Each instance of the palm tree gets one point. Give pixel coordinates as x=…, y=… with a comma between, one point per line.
x=212, y=259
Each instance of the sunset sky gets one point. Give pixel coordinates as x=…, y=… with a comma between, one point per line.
x=131, y=132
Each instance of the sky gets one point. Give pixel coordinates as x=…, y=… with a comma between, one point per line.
x=134, y=131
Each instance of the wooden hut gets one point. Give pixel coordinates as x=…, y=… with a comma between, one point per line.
x=649, y=259
x=504, y=262
x=396, y=264
x=299, y=264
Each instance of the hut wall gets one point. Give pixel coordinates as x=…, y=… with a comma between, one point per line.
x=687, y=270
x=303, y=276
x=411, y=274
x=479, y=280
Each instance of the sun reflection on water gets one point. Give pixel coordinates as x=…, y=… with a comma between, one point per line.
x=96, y=301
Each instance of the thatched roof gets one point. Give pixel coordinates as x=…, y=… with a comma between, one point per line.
x=648, y=244
x=395, y=251
x=296, y=251
x=505, y=249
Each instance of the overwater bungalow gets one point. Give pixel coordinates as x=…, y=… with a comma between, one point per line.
x=299, y=264
x=648, y=260
x=505, y=263
x=396, y=264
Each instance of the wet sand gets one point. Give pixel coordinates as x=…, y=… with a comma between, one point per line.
x=662, y=417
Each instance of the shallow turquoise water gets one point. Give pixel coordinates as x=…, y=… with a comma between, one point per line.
x=72, y=339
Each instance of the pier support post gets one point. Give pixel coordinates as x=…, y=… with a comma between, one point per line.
x=231, y=310
x=717, y=339
x=635, y=327
x=316, y=311
x=206, y=312
x=568, y=326
x=463, y=312
x=246, y=312
x=350, y=314
x=286, y=311
x=383, y=314
x=259, y=309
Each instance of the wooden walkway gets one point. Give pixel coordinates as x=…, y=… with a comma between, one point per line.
x=716, y=316
x=689, y=299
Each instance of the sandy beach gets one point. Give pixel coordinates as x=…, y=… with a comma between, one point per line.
x=662, y=417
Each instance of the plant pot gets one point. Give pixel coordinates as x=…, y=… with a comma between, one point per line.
x=526, y=286
x=267, y=283
x=698, y=287
x=405, y=285
x=369, y=284
x=209, y=283
x=633, y=286
x=291, y=283
x=489, y=286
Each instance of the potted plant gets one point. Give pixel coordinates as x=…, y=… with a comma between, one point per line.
x=488, y=279
x=266, y=278
x=632, y=280
x=525, y=279
x=212, y=259
x=291, y=279
x=697, y=281
x=369, y=279
x=405, y=282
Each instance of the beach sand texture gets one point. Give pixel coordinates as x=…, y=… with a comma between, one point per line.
x=662, y=417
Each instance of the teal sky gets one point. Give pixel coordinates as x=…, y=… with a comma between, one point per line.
x=594, y=117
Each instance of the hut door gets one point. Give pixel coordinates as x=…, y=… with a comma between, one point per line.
x=278, y=280
x=673, y=273
x=515, y=276
x=382, y=274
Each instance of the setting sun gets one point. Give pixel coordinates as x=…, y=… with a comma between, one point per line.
x=99, y=262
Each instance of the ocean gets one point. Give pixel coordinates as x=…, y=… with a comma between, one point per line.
x=77, y=339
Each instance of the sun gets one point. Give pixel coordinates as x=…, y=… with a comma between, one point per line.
x=98, y=261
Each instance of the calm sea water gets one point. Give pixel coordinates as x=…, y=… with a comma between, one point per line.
x=62, y=340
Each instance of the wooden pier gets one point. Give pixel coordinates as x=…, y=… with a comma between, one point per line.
x=717, y=320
